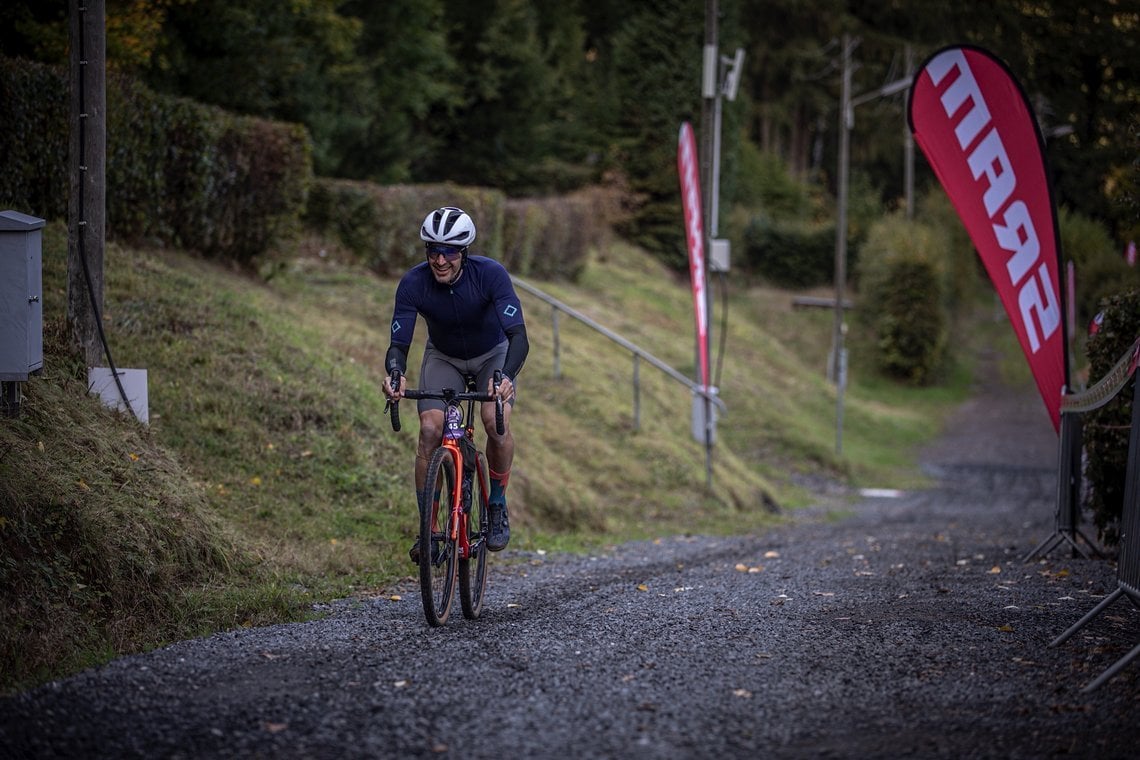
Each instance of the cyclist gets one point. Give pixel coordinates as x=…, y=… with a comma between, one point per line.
x=475, y=326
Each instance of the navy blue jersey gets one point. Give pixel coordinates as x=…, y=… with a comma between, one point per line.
x=464, y=320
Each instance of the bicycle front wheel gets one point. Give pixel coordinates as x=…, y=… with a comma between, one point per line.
x=473, y=570
x=439, y=553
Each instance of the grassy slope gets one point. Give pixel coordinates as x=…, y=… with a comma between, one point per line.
x=269, y=477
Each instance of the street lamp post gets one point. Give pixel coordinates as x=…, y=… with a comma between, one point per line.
x=839, y=357
x=846, y=124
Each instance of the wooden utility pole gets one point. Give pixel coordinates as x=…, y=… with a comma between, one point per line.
x=87, y=204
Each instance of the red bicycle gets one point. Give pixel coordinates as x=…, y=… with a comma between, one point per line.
x=454, y=517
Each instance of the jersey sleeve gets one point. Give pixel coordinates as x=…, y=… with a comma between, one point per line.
x=506, y=301
x=404, y=314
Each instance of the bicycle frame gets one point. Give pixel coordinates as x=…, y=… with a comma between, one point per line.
x=455, y=463
x=465, y=456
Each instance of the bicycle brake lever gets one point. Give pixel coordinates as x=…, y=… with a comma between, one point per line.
x=393, y=407
x=500, y=428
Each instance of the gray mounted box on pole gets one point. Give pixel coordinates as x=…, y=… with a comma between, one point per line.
x=21, y=296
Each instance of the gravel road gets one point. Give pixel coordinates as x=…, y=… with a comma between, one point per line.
x=895, y=627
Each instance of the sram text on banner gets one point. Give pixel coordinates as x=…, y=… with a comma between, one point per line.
x=1013, y=229
x=974, y=125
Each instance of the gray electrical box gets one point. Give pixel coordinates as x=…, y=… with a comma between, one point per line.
x=21, y=297
x=718, y=255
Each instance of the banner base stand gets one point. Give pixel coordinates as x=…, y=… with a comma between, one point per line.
x=1069, y=537
x=1121, y=590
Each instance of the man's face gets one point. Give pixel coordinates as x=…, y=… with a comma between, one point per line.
x=445, y=261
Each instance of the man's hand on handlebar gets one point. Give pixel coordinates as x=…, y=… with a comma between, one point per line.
x=505, y=391
x=395, y=392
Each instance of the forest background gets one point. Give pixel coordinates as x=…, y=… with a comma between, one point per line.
x=540, y=97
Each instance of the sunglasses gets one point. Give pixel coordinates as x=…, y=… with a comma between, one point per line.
x=449, y=252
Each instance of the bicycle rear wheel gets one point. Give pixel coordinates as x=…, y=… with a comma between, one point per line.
x=473, y=570
x=439, y=553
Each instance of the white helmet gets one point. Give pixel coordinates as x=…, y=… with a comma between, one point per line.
x=450, y=226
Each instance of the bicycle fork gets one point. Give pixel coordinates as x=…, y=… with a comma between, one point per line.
x=460, y=501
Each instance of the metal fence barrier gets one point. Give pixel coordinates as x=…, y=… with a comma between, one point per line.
x=639, y=354
x=1128, y=567
x=1068, y=513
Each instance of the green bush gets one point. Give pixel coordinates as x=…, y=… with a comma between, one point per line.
x=765, y=183
x=1106, y=430
x=791, y=253
x=964, y=269
x=177, y=172
x=1100, y=266
x=902, y=297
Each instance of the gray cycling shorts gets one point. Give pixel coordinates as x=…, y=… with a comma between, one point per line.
x=441, y=371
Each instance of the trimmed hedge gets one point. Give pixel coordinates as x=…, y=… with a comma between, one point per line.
x=1106, y=430
x=551, y=238
x=34, y=116
x=548, y=238
x=380, y=223
x=178, y=172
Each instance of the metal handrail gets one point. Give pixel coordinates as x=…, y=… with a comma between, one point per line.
x=638, y=352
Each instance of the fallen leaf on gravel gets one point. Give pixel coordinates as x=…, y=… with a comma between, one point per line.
x=642, y=587
x=743, y=693
x=1007, y=628
x=995, y=569
x=512, y=605
x=741, y=567
x=771, y=554
x=395, y=598
x=400, y=684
